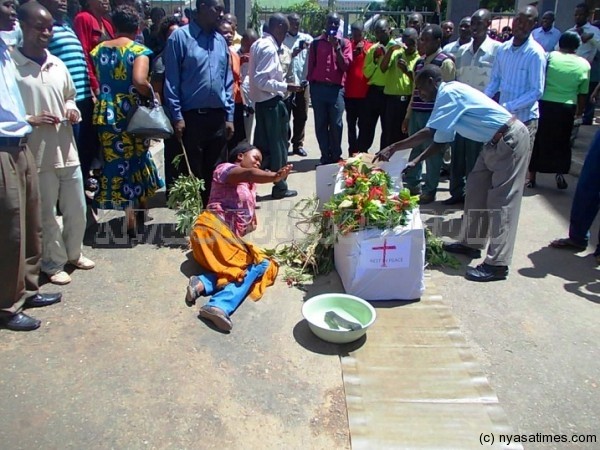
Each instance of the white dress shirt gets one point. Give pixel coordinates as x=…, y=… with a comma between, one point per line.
x=589, y=49
x=453, y=47
x=265, y=72
x=299, y=64
x=475, y=69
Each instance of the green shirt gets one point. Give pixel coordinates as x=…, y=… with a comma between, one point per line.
x=567, y=76
x=396, y=81
x=371, y=69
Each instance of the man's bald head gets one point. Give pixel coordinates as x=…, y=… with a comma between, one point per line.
x=31, y=10
x=278, y=27
x=524, y=22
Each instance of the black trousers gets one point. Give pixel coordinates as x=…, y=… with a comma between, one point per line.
x=205, y=141
x=395, y=112
x=86, y=137
x=374, y=111
x=297, y=105
x=354, y=118
x=239, y=133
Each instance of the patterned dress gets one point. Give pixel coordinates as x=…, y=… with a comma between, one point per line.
x=129, y=174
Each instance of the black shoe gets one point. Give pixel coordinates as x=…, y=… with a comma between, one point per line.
x=462, y=249
x=454, y=200
x=561, y=183
x=486, y=272
x=287, y=194
x=40, y=300
x=300, y=152
x=19, y=322
x=425, y=198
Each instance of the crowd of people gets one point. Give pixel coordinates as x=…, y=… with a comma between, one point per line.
x=506, y=106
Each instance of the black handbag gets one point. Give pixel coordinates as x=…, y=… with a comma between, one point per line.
x=149, y=122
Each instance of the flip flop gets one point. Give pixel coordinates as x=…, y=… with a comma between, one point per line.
x=567, y=244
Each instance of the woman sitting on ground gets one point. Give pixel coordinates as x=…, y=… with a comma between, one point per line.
x=233, y=268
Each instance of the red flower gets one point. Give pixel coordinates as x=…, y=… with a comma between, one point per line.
x=349, y=182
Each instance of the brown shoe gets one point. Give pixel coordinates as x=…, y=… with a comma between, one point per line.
x=194, y=290
x=216, y=316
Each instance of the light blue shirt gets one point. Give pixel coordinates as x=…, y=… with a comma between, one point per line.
x=460, y=108
x=12, y=109
x=519, y=74
x=547, y=39
x=197, y=72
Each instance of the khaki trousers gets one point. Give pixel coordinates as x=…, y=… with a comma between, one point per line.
x=20, y=228
x=493, y=195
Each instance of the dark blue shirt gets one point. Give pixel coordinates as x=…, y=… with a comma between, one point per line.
x=197, y=72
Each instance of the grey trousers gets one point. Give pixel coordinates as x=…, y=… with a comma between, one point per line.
x=493, y=195
x=20, y=228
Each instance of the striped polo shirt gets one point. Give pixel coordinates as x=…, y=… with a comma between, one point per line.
x=66, y=46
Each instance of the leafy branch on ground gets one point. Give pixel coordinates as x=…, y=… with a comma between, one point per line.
x=185, y=199
x=435, y=255
x=312, y=255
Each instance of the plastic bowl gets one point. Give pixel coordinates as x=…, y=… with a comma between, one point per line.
x=347, y=306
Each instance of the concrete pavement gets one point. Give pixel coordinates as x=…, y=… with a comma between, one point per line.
x=123, y=363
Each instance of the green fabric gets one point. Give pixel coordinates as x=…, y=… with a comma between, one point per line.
x=271, y=137
x=566, y=77
x=396, y=81
x=371, y=69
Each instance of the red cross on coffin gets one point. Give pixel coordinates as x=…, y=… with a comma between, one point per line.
x=386, y=255
x=385, y=248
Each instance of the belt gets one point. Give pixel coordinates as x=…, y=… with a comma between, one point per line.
x=502, y=131
x=271, y=102
x=209, y=110
x=12, y=141
x=328, y=84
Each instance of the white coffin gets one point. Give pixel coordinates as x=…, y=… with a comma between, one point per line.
x=383, y=264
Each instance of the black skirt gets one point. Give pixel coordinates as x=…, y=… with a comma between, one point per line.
x=552, y=147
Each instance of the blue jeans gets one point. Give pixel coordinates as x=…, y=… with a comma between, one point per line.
x=232, y=295
x=328, y=107
x=587, y=197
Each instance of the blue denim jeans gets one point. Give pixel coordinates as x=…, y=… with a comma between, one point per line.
x=587, y=197
x=232, y=295
x=328, y=107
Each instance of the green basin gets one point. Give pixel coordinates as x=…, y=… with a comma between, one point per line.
x=346, y=306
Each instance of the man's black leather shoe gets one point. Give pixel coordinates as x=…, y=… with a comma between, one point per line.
x=486, y=272
x=286, y=194
x=453, y=201
x=40, y=300
x=462, y=249
x=19, y=322
x=300, y=152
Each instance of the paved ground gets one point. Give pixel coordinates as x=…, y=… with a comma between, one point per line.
x=123, y=363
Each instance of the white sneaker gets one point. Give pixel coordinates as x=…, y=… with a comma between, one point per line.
x=83, y=263
x=61, y=277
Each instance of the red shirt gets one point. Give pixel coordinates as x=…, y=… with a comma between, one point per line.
x=356, y=82
x=88, y=30
x=322, y=61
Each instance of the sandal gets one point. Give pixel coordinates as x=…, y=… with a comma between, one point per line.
x=561, y=183
x=567, y=244
x=529, y=183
